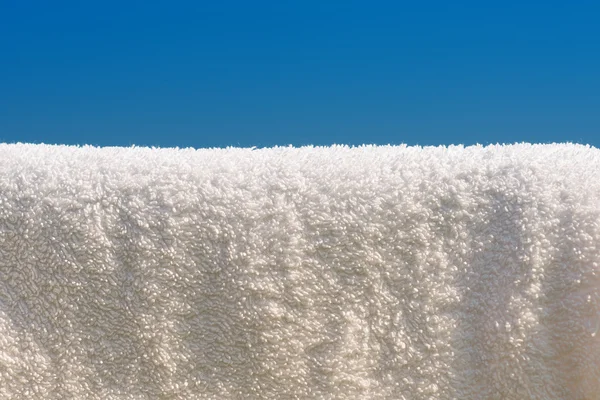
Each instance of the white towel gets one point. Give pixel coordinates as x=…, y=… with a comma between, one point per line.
x=300, y=273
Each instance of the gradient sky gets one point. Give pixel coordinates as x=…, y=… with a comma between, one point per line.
x=229, y=73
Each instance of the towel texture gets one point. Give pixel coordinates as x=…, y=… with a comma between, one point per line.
x=300, y=273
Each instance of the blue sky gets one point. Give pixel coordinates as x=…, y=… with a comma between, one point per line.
x=229, y=73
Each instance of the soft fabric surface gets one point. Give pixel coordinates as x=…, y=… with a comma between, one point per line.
x=300, y=273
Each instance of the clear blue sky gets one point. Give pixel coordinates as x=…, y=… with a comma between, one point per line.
x=229, y=73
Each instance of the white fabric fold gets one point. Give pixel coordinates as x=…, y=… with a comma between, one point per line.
x=374, y=272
